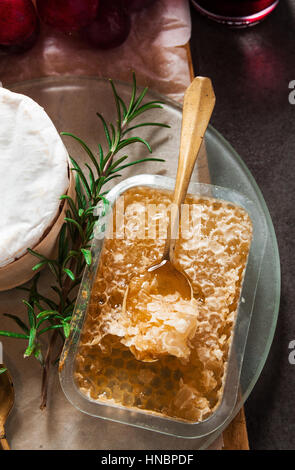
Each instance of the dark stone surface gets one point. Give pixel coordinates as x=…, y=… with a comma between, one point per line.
x=251, y=70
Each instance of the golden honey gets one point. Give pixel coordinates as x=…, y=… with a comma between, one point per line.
x=184, y=381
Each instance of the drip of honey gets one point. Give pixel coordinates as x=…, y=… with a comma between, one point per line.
x=170, y=362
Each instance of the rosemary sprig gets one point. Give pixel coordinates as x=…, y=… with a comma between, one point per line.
x=53, y=315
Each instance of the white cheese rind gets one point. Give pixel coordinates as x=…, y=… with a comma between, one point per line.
x=33, y=174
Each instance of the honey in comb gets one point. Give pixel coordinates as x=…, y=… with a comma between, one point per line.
x=213, y=254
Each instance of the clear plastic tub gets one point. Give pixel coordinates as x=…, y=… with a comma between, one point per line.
x=145, y=419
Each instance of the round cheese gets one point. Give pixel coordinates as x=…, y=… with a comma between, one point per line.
x=34, y=166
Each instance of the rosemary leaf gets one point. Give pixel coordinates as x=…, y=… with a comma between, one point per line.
x=87, y=256
x=69, y=273
x=10, y=334
x=18, y=321
x=54, y=315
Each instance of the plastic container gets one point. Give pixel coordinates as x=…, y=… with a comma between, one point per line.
x=144, y=419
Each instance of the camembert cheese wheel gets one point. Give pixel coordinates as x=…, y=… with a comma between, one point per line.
x=34, y=173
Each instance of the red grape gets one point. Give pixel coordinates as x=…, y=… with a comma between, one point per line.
x=137, y=5
x=111, y=26
x=67, y=15
x=19, y=24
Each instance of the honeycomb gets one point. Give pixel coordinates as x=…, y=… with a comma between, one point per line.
x=159, y=314
x=212, y=251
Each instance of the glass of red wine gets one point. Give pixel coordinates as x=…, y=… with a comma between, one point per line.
x=236, y=13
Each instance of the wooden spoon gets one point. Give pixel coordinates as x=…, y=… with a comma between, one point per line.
x=6, y=404
x=163, y=278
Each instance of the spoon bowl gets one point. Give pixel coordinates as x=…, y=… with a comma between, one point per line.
x=160, y=279
x=169, y=280
x=6, y=404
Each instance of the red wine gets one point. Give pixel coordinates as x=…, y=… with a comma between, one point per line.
x=236, y=12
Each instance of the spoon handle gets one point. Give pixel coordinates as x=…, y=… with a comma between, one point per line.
x=198, y=104
x=4, y=444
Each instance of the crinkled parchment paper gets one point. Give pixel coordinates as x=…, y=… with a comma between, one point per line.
x=154, y=51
